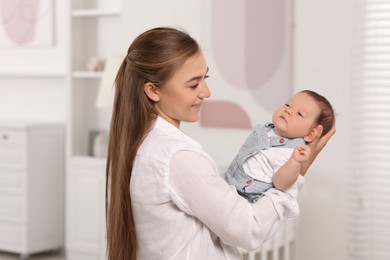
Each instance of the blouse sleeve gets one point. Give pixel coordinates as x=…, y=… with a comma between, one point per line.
x=197, y=189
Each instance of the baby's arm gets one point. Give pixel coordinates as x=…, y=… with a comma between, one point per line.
x=288, y=173
x=316, y=145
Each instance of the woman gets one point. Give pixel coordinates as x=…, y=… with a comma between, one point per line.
x=165, y=198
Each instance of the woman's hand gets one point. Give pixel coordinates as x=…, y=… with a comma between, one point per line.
x=317, y=145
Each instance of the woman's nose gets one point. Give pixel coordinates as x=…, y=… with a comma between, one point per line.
x=205, y=92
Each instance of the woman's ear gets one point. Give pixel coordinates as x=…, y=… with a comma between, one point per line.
x=151, y=91
x=314, y=132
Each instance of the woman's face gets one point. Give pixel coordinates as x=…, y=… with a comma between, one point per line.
x=182, y=96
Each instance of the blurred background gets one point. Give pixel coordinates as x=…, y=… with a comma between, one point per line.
x=55, y=57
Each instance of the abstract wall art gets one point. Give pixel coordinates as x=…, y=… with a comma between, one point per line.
x=251, y=46
x=26, y=23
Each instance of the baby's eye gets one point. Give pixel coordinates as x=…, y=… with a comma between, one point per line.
x=287, y=105
x=300, y=114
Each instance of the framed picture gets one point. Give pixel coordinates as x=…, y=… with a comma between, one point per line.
x=26, y=23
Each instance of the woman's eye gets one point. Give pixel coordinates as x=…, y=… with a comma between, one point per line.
x=206, y=76
x=195, y=85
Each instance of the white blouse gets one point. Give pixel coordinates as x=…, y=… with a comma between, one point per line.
x=183, y=208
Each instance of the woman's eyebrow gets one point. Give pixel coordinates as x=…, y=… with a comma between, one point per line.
x=197, y=77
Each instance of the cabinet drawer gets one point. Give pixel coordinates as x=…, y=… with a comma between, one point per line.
x=12, y=148
x=12, y=137
x=11, y=237
x=12, y=180
x=12, y=208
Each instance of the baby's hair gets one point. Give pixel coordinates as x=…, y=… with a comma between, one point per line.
x=326, y=117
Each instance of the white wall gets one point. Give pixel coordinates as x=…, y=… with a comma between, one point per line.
x=322, y=49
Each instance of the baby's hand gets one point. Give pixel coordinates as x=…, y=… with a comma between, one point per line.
x=301, y=153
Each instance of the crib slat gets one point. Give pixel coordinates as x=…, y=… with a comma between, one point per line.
x=286, y=242
x=252, y=255
x=263, y=254
x=281, y=242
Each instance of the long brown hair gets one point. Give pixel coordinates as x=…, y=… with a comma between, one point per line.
x=154, y=56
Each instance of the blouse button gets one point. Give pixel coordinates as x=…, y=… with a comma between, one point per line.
x=248, y=181
x=281, y=140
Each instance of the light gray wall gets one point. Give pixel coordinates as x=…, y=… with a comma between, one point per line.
x=322, y=61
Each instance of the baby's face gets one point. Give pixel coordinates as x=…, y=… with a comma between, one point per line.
x=297, y=117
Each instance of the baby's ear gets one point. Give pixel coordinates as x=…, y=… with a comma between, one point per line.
x=314, y=132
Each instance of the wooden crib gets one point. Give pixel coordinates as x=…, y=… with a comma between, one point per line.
x=280, y=247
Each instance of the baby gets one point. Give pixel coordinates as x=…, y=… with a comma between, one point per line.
x=273, y=153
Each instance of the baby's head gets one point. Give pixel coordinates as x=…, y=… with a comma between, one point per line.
x=302, y=114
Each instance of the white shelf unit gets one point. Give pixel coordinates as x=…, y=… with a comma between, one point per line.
x=94, y=32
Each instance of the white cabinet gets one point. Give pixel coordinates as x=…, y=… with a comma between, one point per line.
x=31, y=187
x=86, y=209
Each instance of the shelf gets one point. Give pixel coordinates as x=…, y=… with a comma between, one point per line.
x=94, y=13
x=32, y=74
x=80, y=74
x=88, y=159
